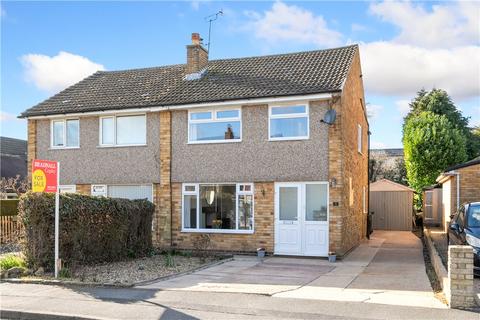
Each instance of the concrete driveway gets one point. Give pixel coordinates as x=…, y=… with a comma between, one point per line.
x=388, y=269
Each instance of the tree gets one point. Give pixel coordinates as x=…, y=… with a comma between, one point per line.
x=379, y=170
x=431, y=144
x=439, y=102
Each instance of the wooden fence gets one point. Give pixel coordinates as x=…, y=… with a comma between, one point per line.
x=9, y=229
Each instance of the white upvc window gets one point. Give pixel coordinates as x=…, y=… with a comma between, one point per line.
x=123, y=130
x=288, y=122
x=359, y=139
x=215, y=125
x=218, y=208
x=65, y=133
x=67, y=188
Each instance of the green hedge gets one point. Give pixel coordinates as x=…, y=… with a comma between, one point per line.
x=92, y=229
x=8, y=207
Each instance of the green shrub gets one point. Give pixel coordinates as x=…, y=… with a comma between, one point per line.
x=10, y=261
x=169, y=261
x=92, y=229
x=65, y=273
x=8, y=207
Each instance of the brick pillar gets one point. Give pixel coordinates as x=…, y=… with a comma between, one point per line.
x=460, y=277
x=31, y=147
x=163, y=219
x=335, y=173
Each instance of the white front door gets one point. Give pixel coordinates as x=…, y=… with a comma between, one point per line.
x=301, y=218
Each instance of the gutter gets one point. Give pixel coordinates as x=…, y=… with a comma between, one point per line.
x=248, y=101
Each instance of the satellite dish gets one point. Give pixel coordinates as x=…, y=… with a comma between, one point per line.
x=330, y=116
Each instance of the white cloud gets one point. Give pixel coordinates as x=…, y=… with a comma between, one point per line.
x=445, y=26
x=403, y=107
x=377, y=145
x=356, y=27
x=55, y=73
x=6, y=116
x=291, y=23
x=396, y=69
x=373, y=111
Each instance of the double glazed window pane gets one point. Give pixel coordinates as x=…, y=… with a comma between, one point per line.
x=201, y=116
x=288, y=203
x=211, y=131
x=190, y=211
x=66, y=133
x=131, y=130
x=245, y=212
x=58, y=133
x=316, y=202
x=217, y=207
x=72, y=133
x=288, y=110
x=288, y=127
x=108, y=131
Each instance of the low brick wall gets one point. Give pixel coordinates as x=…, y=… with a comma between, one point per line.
x=460, y=275
x=436, y=260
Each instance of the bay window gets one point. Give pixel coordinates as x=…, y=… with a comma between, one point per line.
x=218, y=207
x=288, y=122
x=65, y=133
x=122, y=130
x=214, y=125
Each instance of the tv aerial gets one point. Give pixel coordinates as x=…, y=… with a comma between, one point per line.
x=210, y=19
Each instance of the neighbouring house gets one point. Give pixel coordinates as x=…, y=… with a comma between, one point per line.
x=392, y=205
x=234, y=148
x=387, y=157
x=460, y=184
x=13, y=157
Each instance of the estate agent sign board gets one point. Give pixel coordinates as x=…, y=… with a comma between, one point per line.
x=45, y=178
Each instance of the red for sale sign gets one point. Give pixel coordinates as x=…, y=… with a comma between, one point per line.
x=44, y=176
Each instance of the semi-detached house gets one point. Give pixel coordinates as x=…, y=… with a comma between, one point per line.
x=233, y=148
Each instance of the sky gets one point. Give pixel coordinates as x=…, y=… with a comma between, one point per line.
x=404, y=47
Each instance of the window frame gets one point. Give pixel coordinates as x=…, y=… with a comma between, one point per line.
x=237, y=194
x=214, y=119
x=115, y=144
x=305, y=114
x=360, y=139
x=64, y=133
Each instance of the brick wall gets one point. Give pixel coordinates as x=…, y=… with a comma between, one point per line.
x=263, y=235
x=460, y=293
x=163, y=191
x=347, y=220
x=84, y=189
x=31, y=147
x=469, y=190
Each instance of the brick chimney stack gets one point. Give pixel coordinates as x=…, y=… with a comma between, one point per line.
x=197, y=55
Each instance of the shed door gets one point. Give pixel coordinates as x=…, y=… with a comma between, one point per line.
x=392, y=210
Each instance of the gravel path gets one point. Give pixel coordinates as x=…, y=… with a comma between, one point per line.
x=144, y=269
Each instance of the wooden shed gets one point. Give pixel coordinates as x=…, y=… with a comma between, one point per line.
x=392, y=204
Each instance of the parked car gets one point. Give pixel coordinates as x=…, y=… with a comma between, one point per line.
x=465, y=230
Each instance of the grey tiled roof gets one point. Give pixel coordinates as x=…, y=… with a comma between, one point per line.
x=229, y=79
x=12, y=146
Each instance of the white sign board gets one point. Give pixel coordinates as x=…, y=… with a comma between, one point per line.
x=99, y=190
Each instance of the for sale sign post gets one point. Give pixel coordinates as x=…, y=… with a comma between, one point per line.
x=44, y=176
